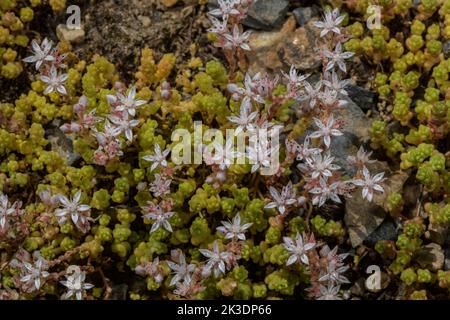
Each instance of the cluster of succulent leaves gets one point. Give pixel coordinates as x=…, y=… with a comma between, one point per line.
x=15, y=18
x=412, y=81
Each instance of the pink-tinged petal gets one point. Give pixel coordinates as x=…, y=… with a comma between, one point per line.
x=330, y=65
x=304, y=259
x=30, y=59
x=166, y=152
x=61, y=89
x=319, y=123
x=342, y=66
x=74, y=217
x=222, y=267
x=270, y=205
x=365, y=192
x=339, y=19
x=245, y=47
x=370, y=195
x=292, y=259
x=77, y=197
x=246, y=226
x=206, y=253
x=215, y=12
x=288, y=242
x=328, y=54
x=132, y=93
x=323, y=33
x=63, y=199
x=222, y=229
x=347, y=55
x=111, y=99
x=229, y=235
x=315, y=174
x=366, y=173
x=274, y=193
x=167, y=226
x=336, y=30
x=378, y=188
x=84, y=207
x=36, y=47
x=129, y=135
x=87, y=286
x=48, y=90
x=154, y=166
x=316, y=134
x=45, y=79
x=327, y=140
x=61, y=212
x=291, y=201
x=335, y=198
x=378, y=177
x=26, y=278
x=139, y=103
x=336, y=132
x=155, y=227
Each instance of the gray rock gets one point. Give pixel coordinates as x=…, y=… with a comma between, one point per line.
x=446, y=49
x=263, y=14
x=70, y=35
x=267, y=14
x=277, y=50
x=362, y=218
x=437, y=233
x=387, y=230
x=356, y=133
x=357, y=289
x=304, y=14
x=447, y=258
x=447, y=252
x=447, y=264
x=299, y=49
x=365, y=99
x=264, y=55
x=430, y=257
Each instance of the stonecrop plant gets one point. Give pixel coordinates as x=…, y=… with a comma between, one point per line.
x=242, y=223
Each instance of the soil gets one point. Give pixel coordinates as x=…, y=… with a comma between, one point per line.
x=119, y=30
